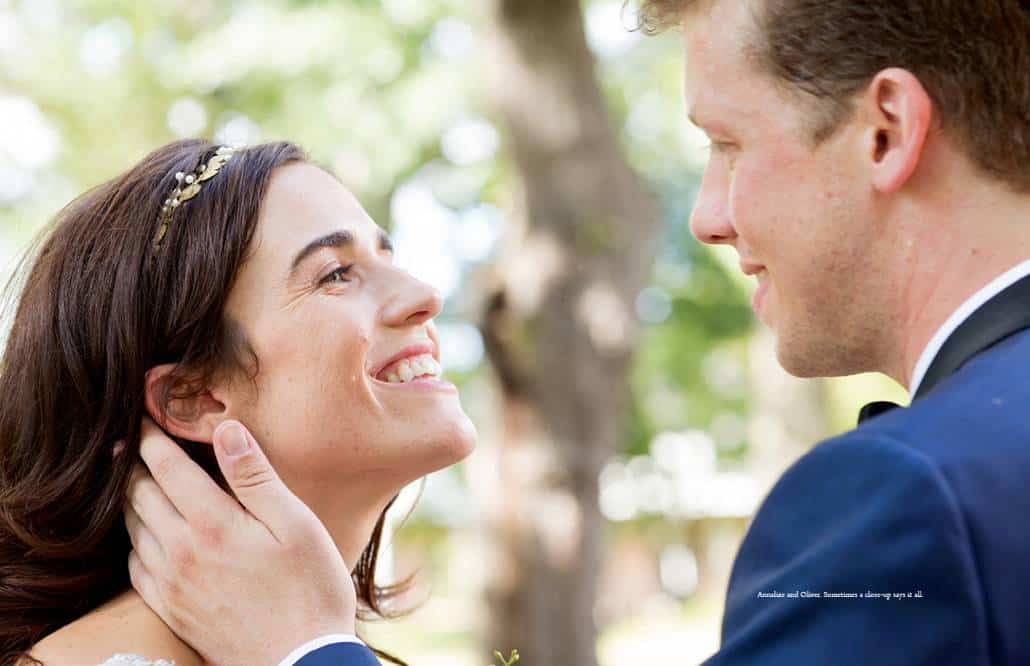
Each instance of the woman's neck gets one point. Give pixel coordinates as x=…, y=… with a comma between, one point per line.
x=351, y=517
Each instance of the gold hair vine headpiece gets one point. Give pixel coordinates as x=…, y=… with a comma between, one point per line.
x=188, y=186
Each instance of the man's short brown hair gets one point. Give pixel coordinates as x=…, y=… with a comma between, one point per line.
x=972, y=57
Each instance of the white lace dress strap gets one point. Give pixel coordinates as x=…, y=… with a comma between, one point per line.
x=122, y=659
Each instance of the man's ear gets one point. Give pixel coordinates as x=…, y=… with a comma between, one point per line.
x=194, y=418
x=900, y=112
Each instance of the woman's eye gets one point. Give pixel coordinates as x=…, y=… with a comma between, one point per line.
x=341, y=272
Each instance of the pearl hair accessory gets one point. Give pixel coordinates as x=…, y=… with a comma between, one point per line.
x=188, y=187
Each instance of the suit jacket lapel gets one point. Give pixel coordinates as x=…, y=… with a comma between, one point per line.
x=1005, y=314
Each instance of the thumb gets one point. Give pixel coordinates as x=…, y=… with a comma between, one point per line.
x=253, y=480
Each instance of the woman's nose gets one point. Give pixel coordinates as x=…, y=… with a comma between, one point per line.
x=710, y=221
x=411, y=302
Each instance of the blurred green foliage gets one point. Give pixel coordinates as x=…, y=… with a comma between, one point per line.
x=369, y=89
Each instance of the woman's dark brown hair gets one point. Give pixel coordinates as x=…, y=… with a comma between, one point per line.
x=94, y=313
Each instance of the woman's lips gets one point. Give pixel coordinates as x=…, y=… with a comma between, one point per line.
x=419, y=384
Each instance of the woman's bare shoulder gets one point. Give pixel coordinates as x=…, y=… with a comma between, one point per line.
x=124, y=625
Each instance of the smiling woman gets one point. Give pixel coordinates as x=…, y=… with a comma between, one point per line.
x=206, y=284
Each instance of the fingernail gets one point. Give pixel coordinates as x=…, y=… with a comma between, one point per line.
x=234, y=440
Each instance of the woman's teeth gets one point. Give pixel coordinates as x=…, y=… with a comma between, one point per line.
x=409, y=368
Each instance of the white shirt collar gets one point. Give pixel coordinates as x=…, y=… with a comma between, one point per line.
x=971, y=305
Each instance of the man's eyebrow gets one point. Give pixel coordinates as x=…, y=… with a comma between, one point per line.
x=342, y=238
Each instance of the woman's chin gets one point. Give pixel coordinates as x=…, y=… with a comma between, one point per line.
x=458, y=441
x=466, y=444
x=448, y=443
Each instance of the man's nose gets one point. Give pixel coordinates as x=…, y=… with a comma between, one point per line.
x=411, y=301
x=710, y=221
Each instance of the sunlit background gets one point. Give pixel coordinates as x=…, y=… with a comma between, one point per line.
x=391, y=97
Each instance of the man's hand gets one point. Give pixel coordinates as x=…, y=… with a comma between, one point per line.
x=241, y=584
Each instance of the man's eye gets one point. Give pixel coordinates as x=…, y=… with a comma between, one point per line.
x=341, y=271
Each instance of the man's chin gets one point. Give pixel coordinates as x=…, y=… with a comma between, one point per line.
x=791, y=364
x=808, y=359
x=796, y=354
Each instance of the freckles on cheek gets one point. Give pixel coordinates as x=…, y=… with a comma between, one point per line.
x=763, y=184
x=355, y=358
x=746, y=196
x=336, y=345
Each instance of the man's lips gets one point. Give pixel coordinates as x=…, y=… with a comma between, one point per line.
x=749, y=268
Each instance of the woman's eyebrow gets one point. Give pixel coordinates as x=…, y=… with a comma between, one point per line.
x=336, y=239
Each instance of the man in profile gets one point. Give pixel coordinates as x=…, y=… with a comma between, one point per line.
x=871, y=166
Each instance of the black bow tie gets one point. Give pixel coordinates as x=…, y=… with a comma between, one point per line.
x=875, y=409
x=1004, y=315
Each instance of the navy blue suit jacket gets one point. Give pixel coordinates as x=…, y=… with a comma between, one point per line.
x=931, y=500
x=339, y=654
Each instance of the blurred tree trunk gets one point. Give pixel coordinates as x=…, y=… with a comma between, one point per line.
x=559, y=329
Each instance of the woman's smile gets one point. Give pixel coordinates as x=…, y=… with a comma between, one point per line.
x=414, y=367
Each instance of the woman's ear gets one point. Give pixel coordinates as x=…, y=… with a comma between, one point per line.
x=194, y=417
